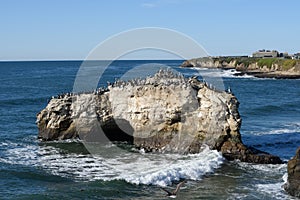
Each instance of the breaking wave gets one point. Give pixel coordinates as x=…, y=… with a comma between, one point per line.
x=228, y=73
x=273, y=188
x=134, y=167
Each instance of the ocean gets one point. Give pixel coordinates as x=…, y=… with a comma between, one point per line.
x=30, y=169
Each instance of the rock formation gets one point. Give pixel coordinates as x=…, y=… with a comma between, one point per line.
x=261, y=68
x=166, y=112
x=293, y=183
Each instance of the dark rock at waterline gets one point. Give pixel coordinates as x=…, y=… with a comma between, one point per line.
x=165, y=113
x=293, y=183
x=268, y=75
x=233, y=150
x=187, y=64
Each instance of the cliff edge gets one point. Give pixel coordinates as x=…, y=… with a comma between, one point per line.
x=166, y=112
x=259, y=67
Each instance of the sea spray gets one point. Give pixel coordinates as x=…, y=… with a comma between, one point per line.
x=134, y=167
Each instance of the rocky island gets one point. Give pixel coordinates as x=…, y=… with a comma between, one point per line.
x=166, y=112
x=279, y=68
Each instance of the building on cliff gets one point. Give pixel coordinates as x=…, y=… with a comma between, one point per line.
x=296, y=56
x=266, y=54
x=270, y=54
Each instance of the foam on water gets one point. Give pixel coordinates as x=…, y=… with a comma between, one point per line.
x=286, y=128
x=230, y=73
x=133, y=167
x=282, y=131
x=163, y=169
x=273, y=190
x=279, y=168
x=266, y=187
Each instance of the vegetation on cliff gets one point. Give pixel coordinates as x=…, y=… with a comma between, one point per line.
x=259, y=67
x=284, y=64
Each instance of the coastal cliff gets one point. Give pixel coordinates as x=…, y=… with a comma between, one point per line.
x=293, y=183
x=166, y=113
x=258, y=67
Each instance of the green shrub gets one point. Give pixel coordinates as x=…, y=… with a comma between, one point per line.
x=266, y=62
x=288, y=64
x=246, y=61
x=285, y=64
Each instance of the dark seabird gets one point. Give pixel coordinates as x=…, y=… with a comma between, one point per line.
x=174, y=192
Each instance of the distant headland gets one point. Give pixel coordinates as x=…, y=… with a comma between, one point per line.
x=262, y=64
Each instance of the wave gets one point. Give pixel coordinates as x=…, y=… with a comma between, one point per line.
x=287, y=128
x=282, y=131
x=287, y=108
x=265, y=168
x=229, y=73
x=132, y=167
x=281, y=140
x=233, y=73
x=266, y=110
x=273, y=189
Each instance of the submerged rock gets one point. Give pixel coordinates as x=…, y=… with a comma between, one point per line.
x=293, y=183
x=166, y=113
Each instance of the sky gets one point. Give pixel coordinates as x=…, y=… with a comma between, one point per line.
x=70, y=29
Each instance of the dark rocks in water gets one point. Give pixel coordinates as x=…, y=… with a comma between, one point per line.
x=293, y=182
x=187, y=64
x=233, y=150
x=275, y=75
x=165, y=113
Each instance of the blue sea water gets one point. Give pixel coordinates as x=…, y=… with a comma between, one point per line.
x=30, y=169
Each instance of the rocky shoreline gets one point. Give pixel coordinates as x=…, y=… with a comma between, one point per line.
x=166, y=113
x=260, y=68
x=276, y=75
x=293, y=183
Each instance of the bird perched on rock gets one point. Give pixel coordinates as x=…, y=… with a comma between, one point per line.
x=173, y=193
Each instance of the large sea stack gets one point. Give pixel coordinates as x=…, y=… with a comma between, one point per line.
x=166, y=112
x=293, y=183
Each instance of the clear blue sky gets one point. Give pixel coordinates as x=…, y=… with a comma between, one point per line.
x=70, y=29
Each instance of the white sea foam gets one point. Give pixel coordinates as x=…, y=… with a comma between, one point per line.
x=293, y=127
x=275, y=190
x=268, y=188
x=285, y=177
x=133, y=167
x=266, y=168
x=282, y=131
x=162, y=170
x=230, y=73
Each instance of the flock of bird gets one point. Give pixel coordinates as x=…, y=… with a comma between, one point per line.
x=165, y=77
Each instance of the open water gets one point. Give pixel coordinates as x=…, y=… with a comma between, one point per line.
x=29, y=169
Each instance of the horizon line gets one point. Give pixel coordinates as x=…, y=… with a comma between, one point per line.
x=81, y=60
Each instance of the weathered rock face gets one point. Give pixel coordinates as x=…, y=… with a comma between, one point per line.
x=166, y=112
x=293, y=183
x=249, y=66
x=209, y=63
